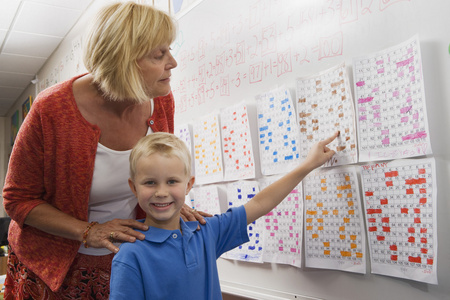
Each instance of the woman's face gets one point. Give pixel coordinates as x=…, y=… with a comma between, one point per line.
x=156, y=69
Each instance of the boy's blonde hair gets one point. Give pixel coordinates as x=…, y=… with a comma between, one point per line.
x=121, y=34
x=162, y=143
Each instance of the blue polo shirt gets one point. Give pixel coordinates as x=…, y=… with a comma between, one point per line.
x=171, y=265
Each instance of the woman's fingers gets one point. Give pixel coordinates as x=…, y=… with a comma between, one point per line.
x=187, y=213
x=190, y=214
x=117, y=230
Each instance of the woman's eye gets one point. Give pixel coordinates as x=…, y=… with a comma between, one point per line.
x=160, y=54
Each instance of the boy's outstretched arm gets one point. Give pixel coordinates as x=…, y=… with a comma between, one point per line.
x=263, y=202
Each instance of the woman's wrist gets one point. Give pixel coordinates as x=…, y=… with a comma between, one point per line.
x=86, y=232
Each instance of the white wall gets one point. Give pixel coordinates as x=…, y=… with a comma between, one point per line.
x=212, y=36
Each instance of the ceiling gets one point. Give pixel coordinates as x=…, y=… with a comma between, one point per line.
x=30, y=30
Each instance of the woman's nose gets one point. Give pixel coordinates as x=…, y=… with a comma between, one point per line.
x=172, y=62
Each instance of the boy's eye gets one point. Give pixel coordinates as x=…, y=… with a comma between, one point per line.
x=150, y=182
x=172, y=181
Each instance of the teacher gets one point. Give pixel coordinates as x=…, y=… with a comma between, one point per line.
x=66, y=189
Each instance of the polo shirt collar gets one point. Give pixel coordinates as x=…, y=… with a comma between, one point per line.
x=158, y=235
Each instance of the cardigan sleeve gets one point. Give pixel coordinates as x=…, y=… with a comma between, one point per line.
x=24, y=183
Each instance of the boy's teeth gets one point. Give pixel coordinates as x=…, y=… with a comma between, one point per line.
x=161, y=205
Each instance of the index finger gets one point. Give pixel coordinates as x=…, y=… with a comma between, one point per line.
x=331, y=138
x=134, y=224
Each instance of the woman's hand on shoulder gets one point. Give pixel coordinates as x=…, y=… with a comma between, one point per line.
x=190, y=214
x=118, y=230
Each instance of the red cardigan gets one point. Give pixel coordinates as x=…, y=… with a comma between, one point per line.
x=53, y=162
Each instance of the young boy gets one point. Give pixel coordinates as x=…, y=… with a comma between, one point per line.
x=175, y=261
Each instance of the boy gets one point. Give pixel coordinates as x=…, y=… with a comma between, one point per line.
x=175, y=261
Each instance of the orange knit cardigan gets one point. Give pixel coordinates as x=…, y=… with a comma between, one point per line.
x=53, y=162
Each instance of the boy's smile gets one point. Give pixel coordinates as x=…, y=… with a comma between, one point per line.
x=161, y=184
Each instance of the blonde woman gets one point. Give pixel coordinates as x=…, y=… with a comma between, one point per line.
x=66, y=189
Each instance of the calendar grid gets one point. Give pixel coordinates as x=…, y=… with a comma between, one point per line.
x=334, y=228
x=390, y=99
x=400, y=211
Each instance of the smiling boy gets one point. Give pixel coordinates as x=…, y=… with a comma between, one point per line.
x=175, y=261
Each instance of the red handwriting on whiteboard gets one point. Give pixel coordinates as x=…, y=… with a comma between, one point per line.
x=255, y=72
x=331, y=46
x=365, y=6
x=237, y=80
x=264, y=41
x=224, y=86
x=284, y=62
x=201, y=94
x=349, y=11
x=301, y=54
x=201, y=49
x=210, y=92
x=386, y=3
x=255, y=15
x=240, y=53
x=202, y=74
x=269, y=40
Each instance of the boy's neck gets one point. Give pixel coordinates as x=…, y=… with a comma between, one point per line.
x=167, y=225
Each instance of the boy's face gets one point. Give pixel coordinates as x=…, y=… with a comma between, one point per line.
x=160, y=186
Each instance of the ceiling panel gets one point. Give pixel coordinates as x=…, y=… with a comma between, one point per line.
x=15, y=80
x=10, y=92
x=20, y=64
x=2, y=35
x=30, y=19
x=8, y=10
x=30, y=31
x=79, y=5
x=22, y=43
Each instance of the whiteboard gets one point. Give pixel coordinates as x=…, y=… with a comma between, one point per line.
x=230, y=51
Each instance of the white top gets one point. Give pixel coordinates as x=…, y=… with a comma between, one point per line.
x=110, y=197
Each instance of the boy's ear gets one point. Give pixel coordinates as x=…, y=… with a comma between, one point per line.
x=190, y=184
x=132, y=186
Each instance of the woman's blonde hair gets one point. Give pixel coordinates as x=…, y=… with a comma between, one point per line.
x=121, y=34
x=163, y=143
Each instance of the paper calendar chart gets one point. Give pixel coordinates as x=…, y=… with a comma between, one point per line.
x=183, y=133
x=278, y=132
x=207, y=150
x=284, y=228
x=390, y=99
x=239, y=193
x=325, y=105
x=400, y=209
x=334, y=224
x=206, y=199
x=237, y=143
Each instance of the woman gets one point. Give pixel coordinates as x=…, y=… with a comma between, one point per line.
x=66, y=189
